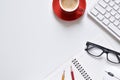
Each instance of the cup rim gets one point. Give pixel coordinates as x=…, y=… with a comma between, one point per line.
x=78, y=2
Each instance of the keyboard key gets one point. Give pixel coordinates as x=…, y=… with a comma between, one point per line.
x=111, y=3
x=117, y=16
x=100, y=17
x=116, y=22
x=108, y=8
x=102, y=3
x=94, y=12
x=117, y=1
x=106, y=1
x=107, y=15
x=106, y=22
x=119, y=26
x=119, y=11
x=113, y=12
x=100, y=9
x=114, y=29
x=112, y=19
x=116, y=7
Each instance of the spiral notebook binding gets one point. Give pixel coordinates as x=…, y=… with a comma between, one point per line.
x=81, y=69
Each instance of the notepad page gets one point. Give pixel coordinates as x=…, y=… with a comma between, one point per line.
x=94, y=67
x=57, y=75
x=113, y=70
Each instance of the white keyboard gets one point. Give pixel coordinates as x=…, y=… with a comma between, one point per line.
x=107, y=13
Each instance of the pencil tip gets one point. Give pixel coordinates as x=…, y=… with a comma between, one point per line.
x=106, y=71
x=64, y=72
x=71, y=68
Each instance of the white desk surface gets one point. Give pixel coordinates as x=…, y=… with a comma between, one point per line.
x=34, y=42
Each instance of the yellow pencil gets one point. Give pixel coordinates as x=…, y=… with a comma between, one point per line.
x=63, y=75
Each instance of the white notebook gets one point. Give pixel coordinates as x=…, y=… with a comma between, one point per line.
x=90, y=68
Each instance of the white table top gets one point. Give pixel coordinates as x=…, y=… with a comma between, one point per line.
x=34, y=42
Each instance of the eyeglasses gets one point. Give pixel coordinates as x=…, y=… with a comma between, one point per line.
x=97, y=51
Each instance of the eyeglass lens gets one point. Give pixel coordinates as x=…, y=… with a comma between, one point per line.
x=94, y=50
x=113, y=57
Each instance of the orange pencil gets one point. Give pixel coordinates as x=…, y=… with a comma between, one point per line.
x=63, y=75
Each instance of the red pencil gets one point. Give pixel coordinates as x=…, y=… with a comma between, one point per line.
x=72, y=74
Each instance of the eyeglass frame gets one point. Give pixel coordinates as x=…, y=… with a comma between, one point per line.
x=104, y=50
